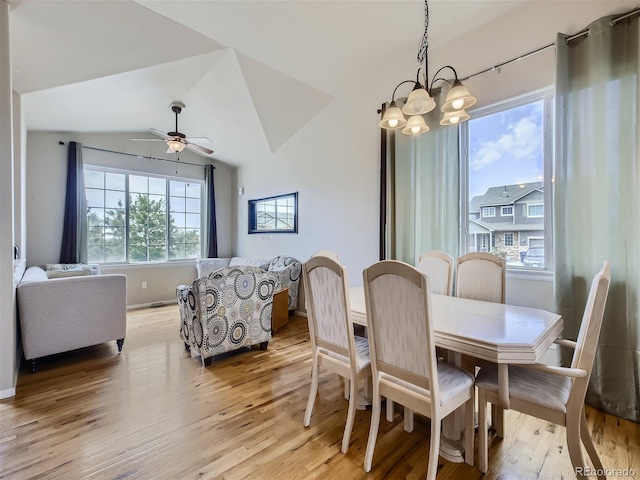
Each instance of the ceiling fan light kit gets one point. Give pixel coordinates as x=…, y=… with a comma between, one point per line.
x=420, y=100
x=177, y=141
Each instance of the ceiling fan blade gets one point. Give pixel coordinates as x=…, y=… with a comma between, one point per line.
x=147, y=139
x=161, y=134
x=199, y=148
x=198, y=140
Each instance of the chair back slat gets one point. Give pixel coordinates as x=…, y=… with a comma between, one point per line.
x=481, y=276
x=399, y=313
x=439, y=268
x=327, y=302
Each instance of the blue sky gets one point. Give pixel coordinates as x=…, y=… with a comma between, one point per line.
x=506, y=148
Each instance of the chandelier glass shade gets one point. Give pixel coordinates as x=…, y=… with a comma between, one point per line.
x=420, y=101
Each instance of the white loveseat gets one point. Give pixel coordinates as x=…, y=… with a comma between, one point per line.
x=70, y=312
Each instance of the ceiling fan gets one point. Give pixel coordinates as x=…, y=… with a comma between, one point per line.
x=177, y=141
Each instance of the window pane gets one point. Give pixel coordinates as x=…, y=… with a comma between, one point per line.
x=192, y=205
x=93, y=179
x=177, y=204
x=193, y=190
x=177, y=188
x=138, y=184
x=114, y=199
x=178, y=220
x=158, y=186
x=506, y=181
x=114, y=181
x=193, y=220
x=95, y=216
x=95, y=198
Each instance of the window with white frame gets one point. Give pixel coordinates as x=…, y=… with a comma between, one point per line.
x=134, y=218
x=508, y=159
x=509, y=239
x=535, y=210
x=489, y=212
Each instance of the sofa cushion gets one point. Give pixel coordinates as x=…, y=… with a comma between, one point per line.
x=93, y=269
x=80, y=272
x=206, y=266
x=253, y=262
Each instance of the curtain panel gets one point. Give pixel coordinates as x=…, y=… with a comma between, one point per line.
x=211, y=232
x=423, y=192
x=74, y=230
x=597, y=200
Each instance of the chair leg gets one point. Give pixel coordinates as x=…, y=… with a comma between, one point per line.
x=469, y=431
x=313, y=392
x=588, y=445
x=573, y=442
x=389, y=410
x=346, y=388
x=408, y=420
x=373, y=429
x=497, y=419
x=351, y=415
x=483, y=452
x=434, y=449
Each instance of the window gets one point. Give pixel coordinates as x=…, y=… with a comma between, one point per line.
x=135, y=218
x=508, y=160
x=488, y=211
x=277, y=214
x=535, y=210
x=508, y=240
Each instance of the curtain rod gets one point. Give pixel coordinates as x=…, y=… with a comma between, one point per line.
x=138, y=156
x=538, y=50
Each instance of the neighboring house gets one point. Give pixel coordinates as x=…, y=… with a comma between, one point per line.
x=509, y=219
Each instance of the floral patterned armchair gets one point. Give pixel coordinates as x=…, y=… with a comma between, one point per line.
x=289, y=271
x=227, y=310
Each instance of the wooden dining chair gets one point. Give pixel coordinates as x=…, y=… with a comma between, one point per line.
x=327, y=253
x=554, y=394
x=481, y=276
x=438, y=266
x=403, y=356
x=335, y=347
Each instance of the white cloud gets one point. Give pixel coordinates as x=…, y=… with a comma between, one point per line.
x=522, y=141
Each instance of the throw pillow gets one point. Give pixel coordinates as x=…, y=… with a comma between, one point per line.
x=67, y=273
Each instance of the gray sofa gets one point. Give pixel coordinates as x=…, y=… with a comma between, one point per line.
x=62, y=314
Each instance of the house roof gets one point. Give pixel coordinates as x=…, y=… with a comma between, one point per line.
x=482, y=227
x=504, y=195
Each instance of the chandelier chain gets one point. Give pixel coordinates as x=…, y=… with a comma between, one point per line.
x=424, y=42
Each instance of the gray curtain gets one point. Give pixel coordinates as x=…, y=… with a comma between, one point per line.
x=597, y=200
x=211, y=230
x=74, y=230
x=424, y=192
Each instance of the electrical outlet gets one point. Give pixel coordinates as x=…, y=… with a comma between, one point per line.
x=144, y=285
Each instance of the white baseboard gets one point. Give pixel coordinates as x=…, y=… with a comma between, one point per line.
x=152, y=304
x=10, y=392
x=301, y=313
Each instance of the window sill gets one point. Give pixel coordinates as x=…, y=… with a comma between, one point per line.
x=531, y=275
x=120, y=266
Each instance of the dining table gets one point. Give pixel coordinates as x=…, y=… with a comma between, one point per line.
x=496, y=332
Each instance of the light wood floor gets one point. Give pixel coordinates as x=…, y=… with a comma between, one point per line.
x=153, y=412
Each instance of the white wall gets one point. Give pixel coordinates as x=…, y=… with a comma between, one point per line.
x=46, y=182
x=7, y=287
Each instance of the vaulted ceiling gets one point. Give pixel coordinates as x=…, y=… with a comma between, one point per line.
x=251, y=73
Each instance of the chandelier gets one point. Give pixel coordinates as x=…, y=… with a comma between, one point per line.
x=420, y=100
